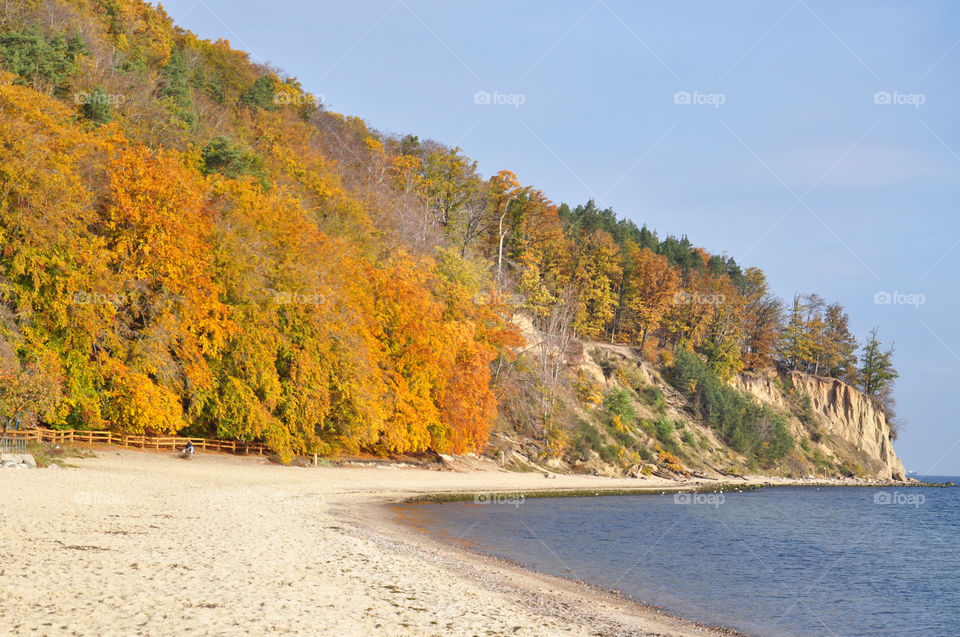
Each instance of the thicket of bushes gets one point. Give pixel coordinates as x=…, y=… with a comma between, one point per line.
x=752, y=429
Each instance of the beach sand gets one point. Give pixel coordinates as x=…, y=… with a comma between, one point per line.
x=147, y=543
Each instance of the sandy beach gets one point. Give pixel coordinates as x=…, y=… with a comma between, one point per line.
x=147, y=543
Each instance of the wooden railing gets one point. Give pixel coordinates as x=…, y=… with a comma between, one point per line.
x=72, y=436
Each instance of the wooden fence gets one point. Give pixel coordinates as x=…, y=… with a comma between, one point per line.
x=72, y=436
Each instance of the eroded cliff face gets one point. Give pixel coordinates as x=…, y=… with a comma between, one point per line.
x=845, y=420
x=838, y=430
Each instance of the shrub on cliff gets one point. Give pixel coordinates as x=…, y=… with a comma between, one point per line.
x=654, y=398
x=617, y=403
x=754, y=430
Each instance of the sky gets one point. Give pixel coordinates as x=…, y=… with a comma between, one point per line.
x=816, y=140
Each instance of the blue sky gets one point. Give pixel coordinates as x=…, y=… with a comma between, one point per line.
x=816, y=140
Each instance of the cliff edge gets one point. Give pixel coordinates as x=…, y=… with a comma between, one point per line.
x=842, y=416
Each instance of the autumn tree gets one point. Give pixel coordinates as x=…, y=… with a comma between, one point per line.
x=794, y=346
x=557, y=335
x=26, y=389
x=649, y=289
x=722, y=344
x=596, y=273
x=762, y=320
x=817, y=339
x=815, y=330
x=504, y=190
x=454, y=194
x=687, y=320
x=840, y=356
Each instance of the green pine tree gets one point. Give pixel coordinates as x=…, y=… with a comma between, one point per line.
x=97, y=107
x=878, y=373
x=261, y=94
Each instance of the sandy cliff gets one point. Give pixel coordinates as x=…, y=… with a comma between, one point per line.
x=844, y=415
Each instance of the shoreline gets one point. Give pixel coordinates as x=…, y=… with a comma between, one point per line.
x=593, y=605
x=673, y=623
x=133, y=541
x=694, y=487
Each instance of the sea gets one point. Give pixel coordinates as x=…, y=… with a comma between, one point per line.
x=783, y=561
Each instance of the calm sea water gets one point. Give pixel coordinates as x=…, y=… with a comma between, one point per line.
x=781, y=562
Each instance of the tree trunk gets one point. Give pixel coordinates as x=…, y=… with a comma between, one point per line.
x=503, y=235
x=500, y=248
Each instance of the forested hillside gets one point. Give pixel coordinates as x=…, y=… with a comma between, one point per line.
x=190, y=243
